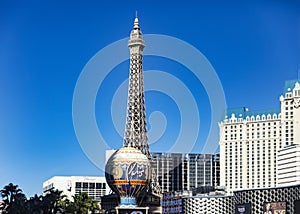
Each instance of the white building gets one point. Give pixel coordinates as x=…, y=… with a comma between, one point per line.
x=289, y=165
x=70, y=185
x=250, y=141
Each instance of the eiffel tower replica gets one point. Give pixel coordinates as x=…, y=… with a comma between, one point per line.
x=136, y=130
x=135, y=134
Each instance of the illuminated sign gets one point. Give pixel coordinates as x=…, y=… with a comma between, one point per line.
x=275, y=208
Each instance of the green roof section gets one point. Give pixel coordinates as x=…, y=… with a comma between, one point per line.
x=238, y=112
x=243, y=112
x=289, y=85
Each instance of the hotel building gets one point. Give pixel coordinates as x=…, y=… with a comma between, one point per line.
x=72, y=185
x=253, y=143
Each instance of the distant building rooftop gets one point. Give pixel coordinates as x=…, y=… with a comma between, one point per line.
x=289, y=85
x=243, y=112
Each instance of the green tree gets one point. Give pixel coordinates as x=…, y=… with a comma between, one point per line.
x=18, y=206
x=34, y=204
x=9, y=192
x=82, y=204
x=14, y=198
x=52, y=201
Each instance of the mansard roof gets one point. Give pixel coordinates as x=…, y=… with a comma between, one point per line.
x=289, y=85
x=243, y=112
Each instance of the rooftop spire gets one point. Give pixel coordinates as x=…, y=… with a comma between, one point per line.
x=136, y=22
x=136, y=37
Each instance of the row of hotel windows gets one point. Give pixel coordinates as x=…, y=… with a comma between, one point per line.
x=289, y=95
x=258, y=143
x=90, y=185
x=287, y=108
x=234, y=137
x=249, y=130
x=261, y=129
x=235, y=127
x=258, y=185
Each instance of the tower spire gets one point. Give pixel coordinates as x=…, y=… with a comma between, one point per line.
x=135, y=134
x=136, y=25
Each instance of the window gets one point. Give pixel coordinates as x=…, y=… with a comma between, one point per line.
x=99, y=185
x=297, y=93
x=91, y=185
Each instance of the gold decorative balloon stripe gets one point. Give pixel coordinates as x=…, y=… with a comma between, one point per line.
x=131, y=182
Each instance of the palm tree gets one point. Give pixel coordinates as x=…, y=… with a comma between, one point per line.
x=9, y=192
x=61, y=203
x=52, y=201
x=14, y=198
x=18, y=206
x=82, y=204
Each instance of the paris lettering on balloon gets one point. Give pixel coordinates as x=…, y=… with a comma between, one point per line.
x=135, y=171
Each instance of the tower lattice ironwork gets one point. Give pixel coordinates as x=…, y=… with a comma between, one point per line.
x=136, y=130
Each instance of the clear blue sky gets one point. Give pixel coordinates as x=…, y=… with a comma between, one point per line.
x=254, y=47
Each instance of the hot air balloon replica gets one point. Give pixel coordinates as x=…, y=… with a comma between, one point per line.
x=127, y=173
